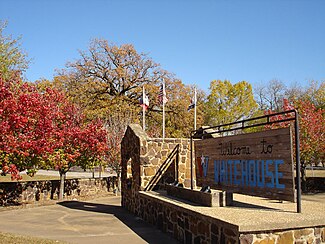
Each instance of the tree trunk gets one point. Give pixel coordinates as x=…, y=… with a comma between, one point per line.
x=118, y=182
x=62, y=178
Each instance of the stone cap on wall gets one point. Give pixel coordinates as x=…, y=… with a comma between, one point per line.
x=138, y=131
x=252, y=214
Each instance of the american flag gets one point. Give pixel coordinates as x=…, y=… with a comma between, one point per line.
x=162, y=98
x=191, y=106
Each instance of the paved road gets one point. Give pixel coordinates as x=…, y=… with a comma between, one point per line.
x=99, y=221
x=72, y=174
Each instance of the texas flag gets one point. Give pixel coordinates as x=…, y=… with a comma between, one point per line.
x=144, y=101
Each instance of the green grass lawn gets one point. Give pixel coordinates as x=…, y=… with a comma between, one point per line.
x=7, y=238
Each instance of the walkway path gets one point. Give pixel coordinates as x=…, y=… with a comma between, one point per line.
x=98, y=221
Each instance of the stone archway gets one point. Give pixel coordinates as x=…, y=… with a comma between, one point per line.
x=143, y=158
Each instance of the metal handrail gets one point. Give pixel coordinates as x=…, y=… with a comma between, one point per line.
x=243, y=126
x=163, y=168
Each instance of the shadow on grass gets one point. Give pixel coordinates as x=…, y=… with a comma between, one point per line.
x=144, y=230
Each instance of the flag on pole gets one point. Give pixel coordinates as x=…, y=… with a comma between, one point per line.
x=144, y=101
x=162, y=98
x=193, y=103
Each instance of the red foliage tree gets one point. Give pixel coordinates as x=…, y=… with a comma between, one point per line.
x=311, y=132
x=74, y=142
x=25, y=126
x=44, y=129
x=93, y=143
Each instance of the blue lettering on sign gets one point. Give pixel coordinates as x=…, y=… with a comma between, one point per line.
x=236, y=181
x=269, y=174
x=278, y=174
x=244, y=173
x=230, y=163
x=252, y=173
x=260, y=173
x=223, y=171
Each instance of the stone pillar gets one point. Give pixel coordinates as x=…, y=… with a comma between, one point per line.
x=144, y=159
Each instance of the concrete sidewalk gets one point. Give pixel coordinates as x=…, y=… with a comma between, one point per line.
x=97, y=221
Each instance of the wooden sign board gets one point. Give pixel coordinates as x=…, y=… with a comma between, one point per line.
x=258, y=164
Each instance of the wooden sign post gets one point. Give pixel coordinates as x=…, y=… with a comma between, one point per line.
x=258, y=164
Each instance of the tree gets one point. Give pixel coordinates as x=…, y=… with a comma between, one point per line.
x=75, y=143
x=228, y=103
x=93, y=144
x=106, y=74
x=314, y=93
x=311, y=132
x=25, y=125
x=45, y=130
x=115, y=126
x=108, y=80
x=65, y=143
x=271, y=95
x=179, y=121
x=312, y=135
x=12, y=57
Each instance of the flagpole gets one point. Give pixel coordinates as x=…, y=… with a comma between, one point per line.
x=143, y=110
x=163, y=103
x=195, y=108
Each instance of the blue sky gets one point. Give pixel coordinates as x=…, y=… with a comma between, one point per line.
x=198, y=41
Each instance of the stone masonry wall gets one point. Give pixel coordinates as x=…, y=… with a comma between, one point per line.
x=154, y=152
x=185, y=225
x=17, y=193
x=142, y=157
x=192, y=227
x=313, y=235
x=133, y=138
